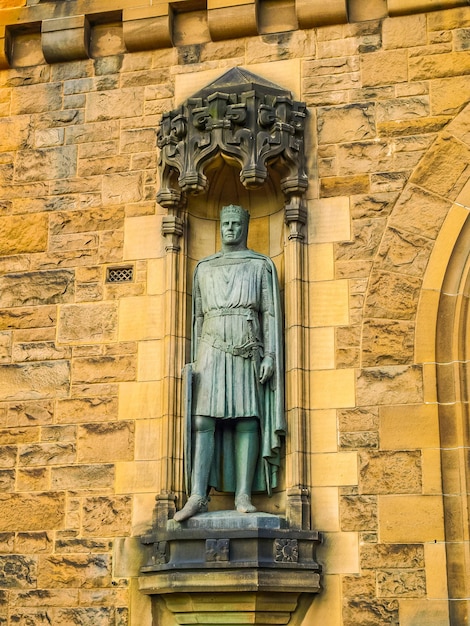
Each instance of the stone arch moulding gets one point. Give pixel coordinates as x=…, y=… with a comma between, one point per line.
x=246, y=125
x=436, y=205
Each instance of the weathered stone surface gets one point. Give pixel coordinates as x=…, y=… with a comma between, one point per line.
x=390, y=472
x=8, y=456
x=29, y=413
x=122, y=188
x=39, y=511
x=367, y=234
x=33, y=542
x=405, y=252
x=75, y=546
x=17, y=571
x=46, y=164
x=358, y=419
x=82, y=477
x=448, y=95
x=28, y=317
x=40, y=351
x=353, y=122
x=377, y=205
x=30, y=288
x=74, y=571
x=38, y=380
x=103, y=369
x=79, y=410
x=421, y=211
x=344, y=185
x=47, y=454
x=384, y=68
x=120, y=103
x=359, y=585
x=107, y=516
x=14, y=132
x=21, y=234
x=7, y=480
x=358, y=513
x=393, y=296
x=85, y=221
x=397, y=384
x=404, y=32
x=439, y=65
x=88, y=323
x=34, y=479
x=355, y=440
x=401, y=583
x=387, y=342
x=42, y=597
x=19, y=435
x=389, y=556
x=441, y=170
x=106, y=442
x=370, y=612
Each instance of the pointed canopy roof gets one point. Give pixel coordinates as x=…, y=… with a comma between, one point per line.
x=238, y=80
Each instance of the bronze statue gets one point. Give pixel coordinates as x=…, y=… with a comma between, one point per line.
x=235, y=417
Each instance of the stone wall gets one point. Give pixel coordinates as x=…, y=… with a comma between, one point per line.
x=84, y=361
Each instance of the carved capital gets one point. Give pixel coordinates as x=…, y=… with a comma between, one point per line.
x=172, y=229
x=296, y=216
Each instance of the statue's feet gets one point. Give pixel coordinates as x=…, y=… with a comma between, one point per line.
x=243, y=504
x=196, y=504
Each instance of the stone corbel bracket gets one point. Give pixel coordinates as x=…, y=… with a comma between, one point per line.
x=246, y=120
x=65, y=38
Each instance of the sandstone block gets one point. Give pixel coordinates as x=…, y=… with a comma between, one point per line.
x=404, y=32
x=30, y=288
x=76, y=546
x=18, y=435
x=362, y=439
x=384, y=68
x=397, y=384
x=82, y=477
x=107, y=516
x=439, y=65
x=7, y=480
x=86, y=221
x=46, y=164
x=116, y=104
x=27, y=512
x=370, y=611
x=366, y=237
x=103, y=369
x=94, y=409
x=410, y=518
x=440, y=171
x=421, y=211
x=30, y=381
x=405, y=252
x=393, y=296
x=30, y=413
x=36, y=98
x=390, y=472
x=18, y=571
x=344, y=185
x=34, y=479
x=358, y=513
x=396, y=556
x=81, y=570
x=106, y=442
x=358, y=419
x=354, y=122
x=33, y=542
x=401, y=583
x=93, y=132
x=39, y=351
x=88, y=323
x=14, y=132
x=42, y=597
x=407, y=427
x=22, y=234
x=448, y=94
x=388, y=181
x=387, y=342
x=121, y=188
x=47, y=454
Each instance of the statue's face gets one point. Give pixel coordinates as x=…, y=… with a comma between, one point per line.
x=232, y=230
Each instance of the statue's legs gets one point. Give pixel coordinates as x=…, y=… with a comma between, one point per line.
x=203, y=446
x=246, y=455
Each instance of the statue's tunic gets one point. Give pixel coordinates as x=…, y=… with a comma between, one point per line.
x=236, y=321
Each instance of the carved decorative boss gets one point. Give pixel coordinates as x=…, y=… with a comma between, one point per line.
x=249, y=121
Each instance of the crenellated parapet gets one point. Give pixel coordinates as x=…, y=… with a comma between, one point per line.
x=64, y=30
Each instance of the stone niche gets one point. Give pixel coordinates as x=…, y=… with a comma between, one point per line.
x=238, y=140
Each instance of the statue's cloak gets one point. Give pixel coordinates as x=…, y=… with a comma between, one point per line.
x=269, y=397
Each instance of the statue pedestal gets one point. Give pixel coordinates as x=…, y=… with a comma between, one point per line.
x=230, y=568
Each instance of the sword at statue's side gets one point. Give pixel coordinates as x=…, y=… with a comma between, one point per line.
x=187, y=400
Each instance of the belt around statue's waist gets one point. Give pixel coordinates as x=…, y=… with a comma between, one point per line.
x=246, y=350
x=245, y=312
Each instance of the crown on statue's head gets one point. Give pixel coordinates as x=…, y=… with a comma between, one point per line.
x=235, y=209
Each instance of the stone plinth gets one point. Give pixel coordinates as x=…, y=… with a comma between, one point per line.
x=226, y=566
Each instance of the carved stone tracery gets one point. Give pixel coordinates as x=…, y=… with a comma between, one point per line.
x=247, y=120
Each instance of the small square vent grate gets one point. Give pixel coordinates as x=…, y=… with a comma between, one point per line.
x=120, y=274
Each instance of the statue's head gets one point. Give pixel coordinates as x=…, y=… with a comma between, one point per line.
x=234, y=221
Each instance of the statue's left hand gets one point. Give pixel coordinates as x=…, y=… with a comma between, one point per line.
x=266, y=369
